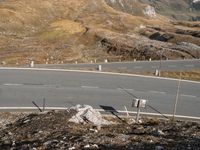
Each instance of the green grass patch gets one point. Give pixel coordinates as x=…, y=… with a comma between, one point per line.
x=54, y=35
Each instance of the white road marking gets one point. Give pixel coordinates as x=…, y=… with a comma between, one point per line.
x=188, y=95
x=160, y=92
x=121, y=89
x=52, y=85
x=12, y=84
x=90, y=87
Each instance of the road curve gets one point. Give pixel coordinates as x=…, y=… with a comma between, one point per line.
x=165, y=65
x=19, y=87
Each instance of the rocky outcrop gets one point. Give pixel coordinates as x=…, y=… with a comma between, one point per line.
x=137, y=47
x=189, y=32
x=149, y=11
x=179, y=9
x=161, y=37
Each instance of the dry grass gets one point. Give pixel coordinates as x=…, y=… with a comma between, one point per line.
x=187, y=75
x=193, y=75
x=57, y=29
x=54, y=28
x=68, y=26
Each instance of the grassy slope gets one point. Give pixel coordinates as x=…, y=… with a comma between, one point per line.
x=62, y=31
x=54, y=31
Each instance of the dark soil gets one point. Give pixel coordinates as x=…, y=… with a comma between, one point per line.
x=52, y=130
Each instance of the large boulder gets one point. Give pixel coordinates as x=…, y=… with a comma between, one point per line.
x=87, y=114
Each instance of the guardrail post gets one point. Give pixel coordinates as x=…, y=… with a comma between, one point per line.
x=100, y=68
x=32, y=64
x=156, y=72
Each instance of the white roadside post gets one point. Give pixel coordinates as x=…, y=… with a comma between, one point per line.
x=100, y=68
x=32, y=64
x=139, y=103
x=156, y=72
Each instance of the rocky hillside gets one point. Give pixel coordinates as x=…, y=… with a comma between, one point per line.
x=181, y=9
x=62, y=31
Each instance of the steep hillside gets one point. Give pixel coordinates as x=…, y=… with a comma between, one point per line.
x=52, y=31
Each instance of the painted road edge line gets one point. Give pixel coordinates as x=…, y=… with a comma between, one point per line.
x=97, y=72
x=100, y=110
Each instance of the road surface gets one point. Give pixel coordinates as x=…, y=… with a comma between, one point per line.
x=170, y=65
x=18, y=88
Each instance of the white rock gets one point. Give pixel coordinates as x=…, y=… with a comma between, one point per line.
x=140, y=121
x=40, y=132
x=159, y=132
x=87, y=113
x=95, y=146
x=26, y=121
x=149, y=11
x=87, y=146
x=196, y=1
x=94, y=130
x=71, y=148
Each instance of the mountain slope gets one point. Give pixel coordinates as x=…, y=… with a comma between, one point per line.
x=52, y=31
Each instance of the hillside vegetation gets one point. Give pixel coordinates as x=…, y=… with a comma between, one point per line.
x=62, y=31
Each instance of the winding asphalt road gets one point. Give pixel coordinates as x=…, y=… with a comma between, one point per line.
x=18, y=88
x=166, y=65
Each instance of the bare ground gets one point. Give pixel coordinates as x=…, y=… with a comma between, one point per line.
x=52, y=130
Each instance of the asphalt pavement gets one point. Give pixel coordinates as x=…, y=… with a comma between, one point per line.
x=164, y=65
x=18, y=88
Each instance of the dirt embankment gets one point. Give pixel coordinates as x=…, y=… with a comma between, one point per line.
x=52, y=130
